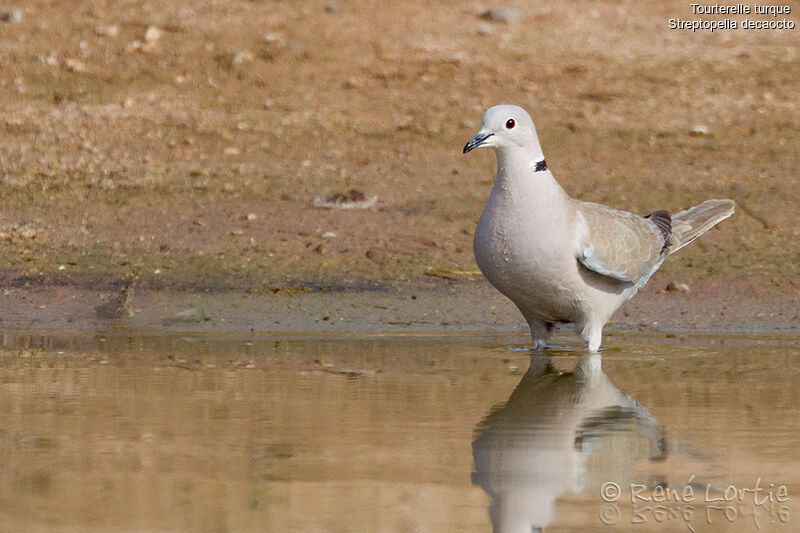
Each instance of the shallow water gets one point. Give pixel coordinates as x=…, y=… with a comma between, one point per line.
x=131, y=432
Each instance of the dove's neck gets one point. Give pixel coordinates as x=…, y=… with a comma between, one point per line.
x=517, y=175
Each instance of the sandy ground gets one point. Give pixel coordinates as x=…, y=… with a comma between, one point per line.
x=187, y=142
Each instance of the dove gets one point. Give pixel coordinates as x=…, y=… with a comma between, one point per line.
x=557, y=258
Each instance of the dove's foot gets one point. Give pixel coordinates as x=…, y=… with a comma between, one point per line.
x=540, y=333
x=592, y=336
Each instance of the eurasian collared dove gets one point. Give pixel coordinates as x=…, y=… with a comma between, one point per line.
x=560, y=259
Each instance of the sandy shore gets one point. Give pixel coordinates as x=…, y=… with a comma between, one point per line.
x=436, y=307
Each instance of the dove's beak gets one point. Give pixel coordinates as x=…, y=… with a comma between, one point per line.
x=477, y=141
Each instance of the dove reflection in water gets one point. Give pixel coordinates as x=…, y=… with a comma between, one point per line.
x=559, y=433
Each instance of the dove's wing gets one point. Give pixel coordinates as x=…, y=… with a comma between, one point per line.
x=619, y=244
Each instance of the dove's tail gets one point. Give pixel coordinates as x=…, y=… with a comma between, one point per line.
x=693, y=222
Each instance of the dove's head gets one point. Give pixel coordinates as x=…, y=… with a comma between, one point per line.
x=505, y=127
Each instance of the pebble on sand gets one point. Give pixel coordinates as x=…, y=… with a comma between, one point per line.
x=12, y=16
x=107, y=30
x=699, y=130
x=677, y=286
x=152, y=35
x=188, y=316
x=501, y=14
x=245, y=56
x=73, y=65
x=352, y=199
x=272, y=38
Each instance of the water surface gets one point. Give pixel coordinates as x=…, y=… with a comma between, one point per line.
x=133, y=432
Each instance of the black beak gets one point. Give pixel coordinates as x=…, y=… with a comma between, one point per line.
x=476, y=141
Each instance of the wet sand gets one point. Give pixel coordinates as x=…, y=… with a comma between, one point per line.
x=436, y=306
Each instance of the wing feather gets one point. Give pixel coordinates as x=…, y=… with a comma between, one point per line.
x=592, y=262
x=619, y=244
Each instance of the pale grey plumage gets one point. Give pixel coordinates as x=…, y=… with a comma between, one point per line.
x=619, y=244
x=691, y=223
x=560, y=259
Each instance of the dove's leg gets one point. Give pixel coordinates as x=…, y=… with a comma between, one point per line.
x=592, y=335
x=540, y=333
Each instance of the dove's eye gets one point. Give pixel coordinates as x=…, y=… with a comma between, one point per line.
x=510, y=123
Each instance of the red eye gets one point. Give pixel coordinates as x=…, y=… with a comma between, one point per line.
x=510, y=123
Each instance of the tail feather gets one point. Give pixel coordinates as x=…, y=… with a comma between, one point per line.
x=693, y=222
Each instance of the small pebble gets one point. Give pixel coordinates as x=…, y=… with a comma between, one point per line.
x=73, y=65
x=485, y=29
x=189, y=315
x=12, y=16
x=501, y=14
x=674, y=286
x=699, y=130
x=110, y=30
x=332, y=7
x=245, y=56
x=272, y=37
x=151, y=35
x=352, y=83
x=353, y=199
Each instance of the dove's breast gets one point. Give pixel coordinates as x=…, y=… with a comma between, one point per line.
x=526, y=249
